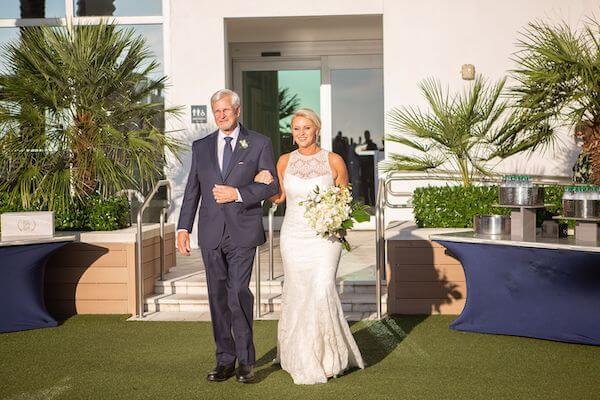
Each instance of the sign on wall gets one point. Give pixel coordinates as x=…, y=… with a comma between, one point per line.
x=199, y=115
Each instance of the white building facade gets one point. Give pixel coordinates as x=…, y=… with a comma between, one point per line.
x=351, y=61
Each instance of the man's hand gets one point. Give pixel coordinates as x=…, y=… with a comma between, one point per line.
x=183, y=243
x=224, y=194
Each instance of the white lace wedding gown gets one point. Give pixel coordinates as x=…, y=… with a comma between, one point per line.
x=313, y=337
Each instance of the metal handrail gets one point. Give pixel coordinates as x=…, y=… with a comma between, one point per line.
x=449, y=176
x=384, y=189
x=379, y=242
x=257, y=274
x=271, y=260
x=257, y=283
x=140, y=214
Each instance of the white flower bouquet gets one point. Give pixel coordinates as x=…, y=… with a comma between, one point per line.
x=332, y=212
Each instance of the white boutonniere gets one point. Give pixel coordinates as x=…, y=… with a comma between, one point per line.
x=243, y=144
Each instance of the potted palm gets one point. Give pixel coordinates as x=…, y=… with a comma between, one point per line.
x=558, y=84
x=461, y=132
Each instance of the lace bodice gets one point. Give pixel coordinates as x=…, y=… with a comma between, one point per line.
x=307, y=167
x=302, y=175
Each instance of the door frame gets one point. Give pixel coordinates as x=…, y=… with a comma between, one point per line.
x=323, y=63
x=368, y=56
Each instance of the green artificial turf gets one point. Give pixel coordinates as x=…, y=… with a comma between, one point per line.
x=105, y=357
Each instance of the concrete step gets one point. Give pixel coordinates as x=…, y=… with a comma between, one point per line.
x=199, y=303
x=196, y=316
x=196, y=284
x=180, y=302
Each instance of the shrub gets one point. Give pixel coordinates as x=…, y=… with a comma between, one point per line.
x=95, y=214
x=455, y=206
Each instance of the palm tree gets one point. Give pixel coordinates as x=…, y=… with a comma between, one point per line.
x=75, y=117
x=558, y=75
x=460, y=132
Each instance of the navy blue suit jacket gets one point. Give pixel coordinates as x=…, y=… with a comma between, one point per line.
x=243, y=220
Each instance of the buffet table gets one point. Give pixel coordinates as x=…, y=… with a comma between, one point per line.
x=22, y=263
x=547, y=288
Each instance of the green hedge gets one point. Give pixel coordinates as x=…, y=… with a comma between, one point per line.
x=455, y=206
x=95, y=214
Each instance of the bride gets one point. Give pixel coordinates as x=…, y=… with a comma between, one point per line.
x=314, y=340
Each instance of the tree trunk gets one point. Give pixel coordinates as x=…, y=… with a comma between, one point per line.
x=590, y=133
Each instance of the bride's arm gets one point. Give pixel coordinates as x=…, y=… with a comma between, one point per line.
x=338, y=166
x=281, y=166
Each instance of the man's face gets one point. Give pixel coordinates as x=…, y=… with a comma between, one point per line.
x=226, y=115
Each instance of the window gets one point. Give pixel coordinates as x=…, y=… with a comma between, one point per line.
x=32, y=9
x=7, y=35
x=117, y=8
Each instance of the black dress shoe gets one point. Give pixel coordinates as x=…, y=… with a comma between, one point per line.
x=245, y=374
x=221, y=373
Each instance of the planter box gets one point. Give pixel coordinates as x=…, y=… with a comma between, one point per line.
x=97, y=274
x=422, y=277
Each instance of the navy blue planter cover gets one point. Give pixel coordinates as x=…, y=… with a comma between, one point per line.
x=22, y=287
x=542, y=293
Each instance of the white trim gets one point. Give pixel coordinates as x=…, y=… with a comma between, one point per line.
x=69, y=9
x=166, y=28
x=326, y=141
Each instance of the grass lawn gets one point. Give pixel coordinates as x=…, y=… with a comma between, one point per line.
x=105, y=357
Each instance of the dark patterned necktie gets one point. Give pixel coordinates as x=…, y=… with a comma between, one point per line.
x=227, y=153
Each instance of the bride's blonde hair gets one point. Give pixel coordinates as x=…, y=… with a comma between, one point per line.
x=310, y=115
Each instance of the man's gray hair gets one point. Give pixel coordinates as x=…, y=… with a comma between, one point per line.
x=235, y=98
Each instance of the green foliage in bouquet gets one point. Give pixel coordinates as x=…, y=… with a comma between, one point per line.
x=332, y=212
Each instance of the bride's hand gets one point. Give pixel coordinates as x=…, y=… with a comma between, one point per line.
x=264, y=177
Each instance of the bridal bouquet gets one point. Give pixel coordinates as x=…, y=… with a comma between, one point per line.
x=332, y=212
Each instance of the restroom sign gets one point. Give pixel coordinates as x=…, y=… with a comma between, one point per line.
x=199, y=114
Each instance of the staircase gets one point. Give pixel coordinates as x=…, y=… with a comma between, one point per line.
x=183, y=295
x=186, y=298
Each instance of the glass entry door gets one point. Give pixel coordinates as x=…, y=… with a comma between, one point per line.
x=271, y=92
x=346, y=91
x=357, y=122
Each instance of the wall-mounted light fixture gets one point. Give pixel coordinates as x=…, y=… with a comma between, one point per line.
x=467, y=71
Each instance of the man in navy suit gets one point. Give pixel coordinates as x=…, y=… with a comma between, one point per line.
x=222, y=179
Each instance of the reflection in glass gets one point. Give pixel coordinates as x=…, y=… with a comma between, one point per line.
x=357, y=109
x=153, y=36
x=7, y=35
x=117, y=8
x=271, y=97
x=32, y=9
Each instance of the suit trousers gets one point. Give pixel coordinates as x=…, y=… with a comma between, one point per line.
x=228, y=271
